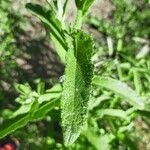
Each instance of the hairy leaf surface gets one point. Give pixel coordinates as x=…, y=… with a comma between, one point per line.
x=76, y=88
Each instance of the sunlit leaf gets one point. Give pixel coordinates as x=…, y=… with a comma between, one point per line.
x=120, y=88
x=111, y=112
x=76, y=87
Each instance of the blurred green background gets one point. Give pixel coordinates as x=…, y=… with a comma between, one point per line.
x=121, y=32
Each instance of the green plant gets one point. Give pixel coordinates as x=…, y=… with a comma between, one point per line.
x=7, y=46
x=69, y=42
x=89, y=101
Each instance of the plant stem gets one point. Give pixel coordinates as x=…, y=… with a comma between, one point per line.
x=79, y=19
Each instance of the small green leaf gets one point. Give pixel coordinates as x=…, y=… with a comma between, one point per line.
x=34, y=107
x=40, y=87
x=122, y=89
x=57, y=88
x=22, y=110
x=52, y=93
x=23, y=89
x=111, y=112
x=94, y=102
x=76, y=87
x=84, y=5
x=99, y=142
x=48, y=97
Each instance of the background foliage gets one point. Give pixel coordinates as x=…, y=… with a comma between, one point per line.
x=119, y=105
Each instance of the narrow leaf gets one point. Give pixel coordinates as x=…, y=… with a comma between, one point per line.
x=20, y=121
x=84, y=5
x=53, y=25
x=57, y=88
x=48, y=97
x=22, y=110
x=13, y=124
x=120, y=88
x=94, y=102
x=111, y=112
x=43, y=110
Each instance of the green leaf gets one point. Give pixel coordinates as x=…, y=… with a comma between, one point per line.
x=84, y=5
x=40, y=87
x=99, y=142
x=65, y=6
x=82, y=8
x=12, y=125
x=34, y=107
x=76, y=87
x=53, y=25
x=22, y=110
x=57, y=88
x=23, y=89
x=20, y=121
x=44, y=109
x=52, y=93
x=144, y=113
x=122, y=89
x=111, y=112
x=94, y=102
x=48, y=97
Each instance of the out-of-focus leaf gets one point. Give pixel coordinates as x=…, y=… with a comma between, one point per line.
x=145, y=113
x=44, y=109
x=84, y=5
x=40, y=87
x=23, y=89
x=52, y=93
x=111, y=112
x=94, y=102
x=99, y=142
x=126, y=128
x=12, y=125
x=20, y=121
x=53, y=25
x=22, y=110
x=55, y=89
x=122, y=89
x=48, y=97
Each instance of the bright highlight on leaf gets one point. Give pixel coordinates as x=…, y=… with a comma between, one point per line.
x=120, y=88
x=76, y=90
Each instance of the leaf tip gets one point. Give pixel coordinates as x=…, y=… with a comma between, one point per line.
x=69, y=140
